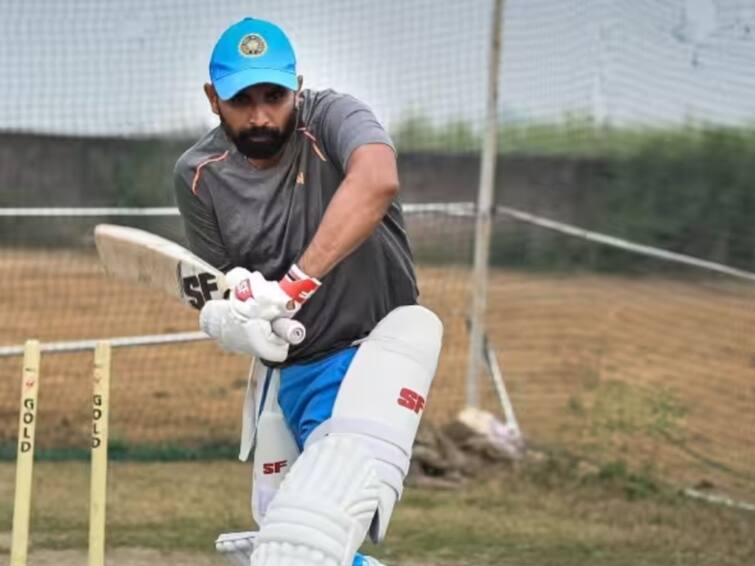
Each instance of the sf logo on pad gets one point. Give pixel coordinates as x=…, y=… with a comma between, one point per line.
x=269, y=468
x=411, y=400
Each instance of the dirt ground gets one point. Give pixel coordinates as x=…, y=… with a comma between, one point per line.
x=134, y=557
x=138, y=557
x=120, y=557
x=546, y=510
x=657, y=371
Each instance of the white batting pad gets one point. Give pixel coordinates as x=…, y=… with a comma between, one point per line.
x=390, y=376
x=275, y=448
x=382, y=398
x=323, y=509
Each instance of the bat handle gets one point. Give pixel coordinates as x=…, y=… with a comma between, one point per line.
x=292, y=331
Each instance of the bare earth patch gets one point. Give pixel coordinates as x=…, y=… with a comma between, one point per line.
x=136, y=557
x=120, y=557
x=657, y=371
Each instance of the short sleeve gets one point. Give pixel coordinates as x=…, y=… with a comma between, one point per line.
x=347, y=124
x=200, y=223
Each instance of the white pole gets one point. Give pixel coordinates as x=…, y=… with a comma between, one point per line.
x=500, y=388
x=485, y=210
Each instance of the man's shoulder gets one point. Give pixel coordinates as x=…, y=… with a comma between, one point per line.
x=317, y=103
x=324, y=96
x=212, y=145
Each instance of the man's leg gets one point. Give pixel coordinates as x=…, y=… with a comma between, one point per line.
x=350, y=474
x=264, y=429
x=308, y=394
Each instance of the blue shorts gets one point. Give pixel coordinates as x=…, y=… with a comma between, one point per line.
x=308, y=392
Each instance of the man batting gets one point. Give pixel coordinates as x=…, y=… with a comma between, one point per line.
x=294, y=196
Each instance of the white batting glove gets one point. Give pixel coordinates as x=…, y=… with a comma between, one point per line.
x=253, y=296
x=253, y=336
x=237, y=548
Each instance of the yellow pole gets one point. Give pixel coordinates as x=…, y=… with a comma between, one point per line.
x=97, y=501
x=27, y=421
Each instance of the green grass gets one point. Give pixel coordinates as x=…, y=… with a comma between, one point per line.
x=684, y=188
x=545, y=512
x=574, y=135
x=123, y=451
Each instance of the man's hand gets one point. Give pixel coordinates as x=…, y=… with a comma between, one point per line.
x=253, y=296
x=251, y=336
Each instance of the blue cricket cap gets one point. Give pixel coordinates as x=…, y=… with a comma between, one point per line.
x=251, y=52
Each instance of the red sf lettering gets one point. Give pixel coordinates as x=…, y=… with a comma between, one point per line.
x=411, y=400
x=273, y=467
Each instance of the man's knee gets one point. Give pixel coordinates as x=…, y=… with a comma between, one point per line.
x=382, y=398
x=324, y=507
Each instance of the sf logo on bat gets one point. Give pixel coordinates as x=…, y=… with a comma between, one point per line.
x=198, y=288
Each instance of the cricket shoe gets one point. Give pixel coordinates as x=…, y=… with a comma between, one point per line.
x=236, y=548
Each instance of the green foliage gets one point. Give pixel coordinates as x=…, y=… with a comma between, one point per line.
x=634, y=485
x=687, y=189
x=692, y=194
x=575, y=135
x=143, y=175
x=418, y=133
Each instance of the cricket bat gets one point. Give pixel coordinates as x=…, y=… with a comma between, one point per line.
x=136, y=255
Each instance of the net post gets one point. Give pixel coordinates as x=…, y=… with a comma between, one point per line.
x=27, y=422
x=485, y=208
x=98, y=487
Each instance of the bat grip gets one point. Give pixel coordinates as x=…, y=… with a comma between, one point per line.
x=292, y=331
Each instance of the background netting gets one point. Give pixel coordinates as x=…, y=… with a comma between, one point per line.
x=632, y=119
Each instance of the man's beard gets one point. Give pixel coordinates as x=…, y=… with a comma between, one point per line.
x=261, y=142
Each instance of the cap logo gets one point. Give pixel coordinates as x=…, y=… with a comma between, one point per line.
x=252, y=45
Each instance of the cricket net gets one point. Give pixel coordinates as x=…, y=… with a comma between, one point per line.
x=631, y=119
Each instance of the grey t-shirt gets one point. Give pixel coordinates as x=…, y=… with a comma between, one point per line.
x=237, y=215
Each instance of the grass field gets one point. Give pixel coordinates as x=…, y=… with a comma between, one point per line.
x=545, y=512
x=651, y=369
x=656, y=373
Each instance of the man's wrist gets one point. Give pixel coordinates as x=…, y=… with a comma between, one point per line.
x=314, y=261
x=298, y=285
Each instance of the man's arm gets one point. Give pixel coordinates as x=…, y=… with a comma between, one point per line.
x=357, y=207
x=359, y=146
x=200, y=224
